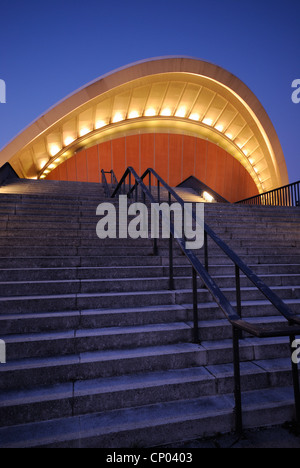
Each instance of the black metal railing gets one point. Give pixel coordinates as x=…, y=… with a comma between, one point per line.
x=133, y=184
x=113, y=182
x=288, y=195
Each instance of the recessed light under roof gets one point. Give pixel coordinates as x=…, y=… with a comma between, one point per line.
x=194, y=116
x=100, y=124
x=68, y=141
x=84, y=131
x=150, y=112
x=166, y=112
x=181, y=112
x=118, y=117
x=220, y=128
x=54, y=150
x=133, y=114
x=207, y=121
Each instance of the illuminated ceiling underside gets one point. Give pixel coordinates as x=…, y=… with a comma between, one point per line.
x=179, y=95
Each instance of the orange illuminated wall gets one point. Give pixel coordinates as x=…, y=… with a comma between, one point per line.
x=174, y=157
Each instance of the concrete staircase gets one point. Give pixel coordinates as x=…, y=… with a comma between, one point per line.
x=100, y=352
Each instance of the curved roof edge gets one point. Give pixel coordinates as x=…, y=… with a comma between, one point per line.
x=158, y=65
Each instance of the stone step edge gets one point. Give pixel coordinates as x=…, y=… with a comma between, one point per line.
x=108, y=355
x=172, y=293
x=140, y=381
x=215, y=414
x=82, y=333
x=123, y=279
x=105, y=311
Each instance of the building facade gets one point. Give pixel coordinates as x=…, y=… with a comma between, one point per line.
x=178, y=115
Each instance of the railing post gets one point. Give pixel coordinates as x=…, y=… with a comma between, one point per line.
x=158, y=191
x=171, y=271
x=129, y=185
x=238, y=291
x=195, y=307
x=205, y=251
x=237, y=382
x=238, y=296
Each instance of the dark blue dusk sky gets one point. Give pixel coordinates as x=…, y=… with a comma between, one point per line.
x=49, y=49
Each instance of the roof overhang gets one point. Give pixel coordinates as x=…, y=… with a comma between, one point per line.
x=172, y=94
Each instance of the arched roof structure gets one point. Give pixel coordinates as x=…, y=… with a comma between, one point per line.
x=174, y=94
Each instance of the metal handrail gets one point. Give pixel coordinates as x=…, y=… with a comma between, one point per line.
x=267, y=292
x=288, y=195
x=235, y=318
x=113, y=181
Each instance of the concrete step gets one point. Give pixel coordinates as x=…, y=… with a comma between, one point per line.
x=153, y=425
x=50, y=370
x=86, y=211
x=256, y=308
x=64, y=273
x=69, y=262
x=76, y=296
x=40, y=322
x=97, y=339
x=54, y=303
x=82, y=340
x=99, y=395
x=93, y=318
x=71, y=301
x=34, y=372
x=127, y=283
x=56, y=258
x=73, y=207
x=88, y=206
x=247, y=294
x=92, y=246
x=72, y=251
x=92, y=241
